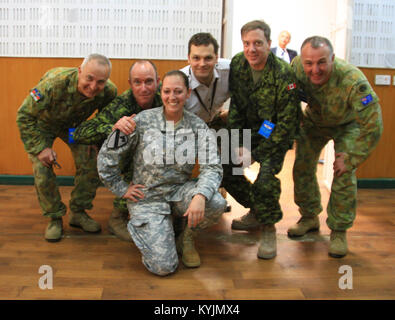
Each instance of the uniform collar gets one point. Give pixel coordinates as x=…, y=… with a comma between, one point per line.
x=266, y=72
x=194, y=83
x=155, y=104
x=184, y=122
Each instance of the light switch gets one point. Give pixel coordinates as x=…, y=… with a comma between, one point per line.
x=393, y=82
x=382, y=80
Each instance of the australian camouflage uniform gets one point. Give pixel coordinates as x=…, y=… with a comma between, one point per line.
x=272, y=98
x=97, y=129
x=347, y=110
x=168, y=187
x=49, y=111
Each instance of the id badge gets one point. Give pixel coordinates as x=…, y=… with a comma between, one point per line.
x=71, y=135
x=266, y=129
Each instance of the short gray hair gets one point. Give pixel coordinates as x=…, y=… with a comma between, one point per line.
x=102, y=60
x=316, y=42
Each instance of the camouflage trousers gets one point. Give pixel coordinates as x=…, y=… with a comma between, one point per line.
x=262, y=196
x=152, y=229
x=120, y=204
x=86, y=182
x=342, y=202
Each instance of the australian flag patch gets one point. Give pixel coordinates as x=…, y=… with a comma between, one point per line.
x=35, y=94
x=366, y=100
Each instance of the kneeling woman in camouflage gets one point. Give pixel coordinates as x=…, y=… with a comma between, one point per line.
x=166, y=143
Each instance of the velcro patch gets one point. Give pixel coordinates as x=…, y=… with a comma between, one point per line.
x=117, y=139
x=291, y=86
x=35, y=94
x=366, y=100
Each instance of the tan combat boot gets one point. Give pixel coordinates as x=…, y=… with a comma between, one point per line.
x=54, y=230
x=246, y=222
x=83, y=221
x=186, y=247
x=268, y=245
x=117, y=224
x=338, y=244
x=304, y=225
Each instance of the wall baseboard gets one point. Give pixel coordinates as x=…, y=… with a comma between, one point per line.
x=29, y=180
x=383, y=183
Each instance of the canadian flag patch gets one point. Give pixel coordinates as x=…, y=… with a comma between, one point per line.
x=291, y=86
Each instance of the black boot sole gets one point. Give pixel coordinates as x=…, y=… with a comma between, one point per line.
x=75, y=226
x=298, y=236
x=337, y=256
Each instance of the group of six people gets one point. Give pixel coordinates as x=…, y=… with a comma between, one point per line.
x=153, y=135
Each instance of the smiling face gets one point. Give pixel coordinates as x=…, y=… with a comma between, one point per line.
x=317, y=63
x=92, y=78
x=174, y=93
x=203, y=60
x=144, y=82
x=256, y=48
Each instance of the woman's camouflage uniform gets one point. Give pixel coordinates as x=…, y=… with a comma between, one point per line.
x=168, y=188
x=96, y=130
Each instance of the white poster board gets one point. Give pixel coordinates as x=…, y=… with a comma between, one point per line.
x=373, y=33
x=151, y=29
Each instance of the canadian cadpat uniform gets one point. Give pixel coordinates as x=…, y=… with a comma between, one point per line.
x=168, y=187
x=51, y=108
x=345, y=109
x=272, y=98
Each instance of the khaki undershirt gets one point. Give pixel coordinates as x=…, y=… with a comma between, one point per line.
x=257, y=74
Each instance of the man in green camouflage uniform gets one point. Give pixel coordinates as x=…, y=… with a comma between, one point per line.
x=342, y=106
x=262, y=89
x=62, y=99
x=165, y=182
x=143, y=94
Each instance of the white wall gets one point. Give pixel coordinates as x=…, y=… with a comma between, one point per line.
x=302, y=18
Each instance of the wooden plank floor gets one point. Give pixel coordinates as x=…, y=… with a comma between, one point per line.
x=102, y=267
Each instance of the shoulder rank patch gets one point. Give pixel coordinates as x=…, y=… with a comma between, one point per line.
x=117, y=139
x=291, y=86
x=35, y=94
x=366, y=100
